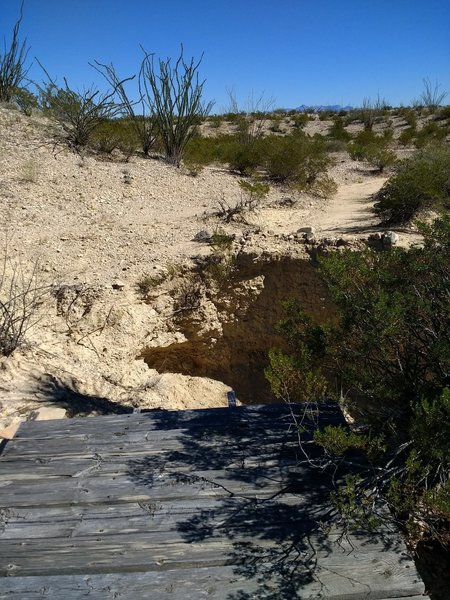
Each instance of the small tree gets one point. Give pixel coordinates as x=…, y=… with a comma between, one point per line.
x=173, y=94
x=12, y=63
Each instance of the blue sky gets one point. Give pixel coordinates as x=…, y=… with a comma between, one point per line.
x=297, y=52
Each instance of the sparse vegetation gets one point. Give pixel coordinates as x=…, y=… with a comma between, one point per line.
x=21, y=295
x=13, y=70
x=25, y=100
x=29, y=172
x=143, y=123
x=79, y=113
x=432, y=95
x=252, y=193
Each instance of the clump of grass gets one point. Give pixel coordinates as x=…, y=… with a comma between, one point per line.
x=148, y=283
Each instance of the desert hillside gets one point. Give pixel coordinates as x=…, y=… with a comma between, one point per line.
x=111, y=245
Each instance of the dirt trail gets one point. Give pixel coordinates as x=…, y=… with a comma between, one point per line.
x=350, y=211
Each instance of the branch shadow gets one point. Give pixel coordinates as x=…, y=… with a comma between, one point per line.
x=268, y=509
x=75, y=403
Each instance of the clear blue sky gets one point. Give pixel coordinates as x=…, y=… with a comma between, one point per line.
x=298, y=52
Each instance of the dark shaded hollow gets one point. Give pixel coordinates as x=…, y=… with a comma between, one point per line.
x=239, y=356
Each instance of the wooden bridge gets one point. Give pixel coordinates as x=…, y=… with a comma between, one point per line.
x=204, y=504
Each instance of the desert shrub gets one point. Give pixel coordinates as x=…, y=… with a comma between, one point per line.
x=30, y=171
x=78, y=112
x=242, y=158
x=148, y=283
x=201, y=151
x=215, y=121
x=409, y=115
x=13, y=70
x=221, y=262
x=432, y=96
x=143, y=123
x=275, y=127
x=252, y=193
x=373, y=149
x=388, y=353
x=338, y=131
x=297, y=160
x=299, y=120
x=443, y=113
x=371, y=111
x=407, y=136
x=420, y=182
x=114, y=134
x=431, y=132
x=25, y=100
x=333, y=145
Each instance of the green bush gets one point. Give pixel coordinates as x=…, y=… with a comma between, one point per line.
x=243, y=158
x=431, y=132
x=387, y=352
x=409, y=115
x=373, y=149
x=79, y=113
x=299, y=120
x=25, y=100
x=199, y=152
x=114, y=134
x=421, y=182
x=338, y=131
x=297, y=160
x=407, y=136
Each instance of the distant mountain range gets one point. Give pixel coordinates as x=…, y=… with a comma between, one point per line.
x=322, y=107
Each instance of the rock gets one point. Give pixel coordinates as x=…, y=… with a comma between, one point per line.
x=9, y=432
x=305, y=230
x=47, y=413
x=390, y=238
x=203, y=236
x=374, y=237
x=118, y=285
x=310, y=237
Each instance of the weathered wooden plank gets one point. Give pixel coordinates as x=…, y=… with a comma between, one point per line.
x=139, y=442
x=190, y=584
x=60, y=491
x=266, y=415
x=23, y=469
x=80, y=520
x=339, y=571
x=220, y=583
